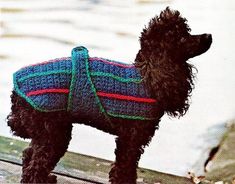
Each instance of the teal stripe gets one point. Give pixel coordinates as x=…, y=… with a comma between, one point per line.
x=121, y=79
x=35, y=106
x=129, y=117
x=72, y=84
x=44, y=73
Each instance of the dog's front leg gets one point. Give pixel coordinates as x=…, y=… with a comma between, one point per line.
x=128, y=151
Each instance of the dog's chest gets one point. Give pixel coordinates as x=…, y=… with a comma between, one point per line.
x=91, y=86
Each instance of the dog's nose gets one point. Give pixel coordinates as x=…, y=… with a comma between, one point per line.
x=207, y=37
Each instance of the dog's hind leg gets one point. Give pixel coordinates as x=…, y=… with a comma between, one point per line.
x=45, y=151
x=130, y=146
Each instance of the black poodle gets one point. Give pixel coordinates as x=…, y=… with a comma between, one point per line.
x=160, y=79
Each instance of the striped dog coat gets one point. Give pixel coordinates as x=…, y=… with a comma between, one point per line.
x=85, y=85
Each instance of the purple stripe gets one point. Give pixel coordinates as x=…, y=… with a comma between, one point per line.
x=112, y=63
x=46, y=62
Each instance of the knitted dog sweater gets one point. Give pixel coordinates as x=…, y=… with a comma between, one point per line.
x=85, y=85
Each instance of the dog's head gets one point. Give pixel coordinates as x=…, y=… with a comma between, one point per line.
x=169, y=34
x=166, y=45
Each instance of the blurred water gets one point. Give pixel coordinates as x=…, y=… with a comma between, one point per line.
x=33, y=31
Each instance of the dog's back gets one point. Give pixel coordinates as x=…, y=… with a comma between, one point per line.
x=83, y=85
x=41, y=85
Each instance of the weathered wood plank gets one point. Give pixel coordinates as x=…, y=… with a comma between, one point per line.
x=75, y=164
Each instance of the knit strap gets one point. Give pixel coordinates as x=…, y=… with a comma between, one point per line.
x=82, y=96
x=77, y=54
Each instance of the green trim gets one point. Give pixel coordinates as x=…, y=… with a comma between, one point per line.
x=93, y=86
x=112, y=60
x=129, y=117
x=121, y=79
x=20, y=93
x=44, y=73
x=72, y=84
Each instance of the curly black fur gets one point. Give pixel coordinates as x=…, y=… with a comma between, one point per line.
x=166, y=45
x=162, y=60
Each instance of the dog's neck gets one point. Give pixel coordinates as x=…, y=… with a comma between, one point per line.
x=169, y=82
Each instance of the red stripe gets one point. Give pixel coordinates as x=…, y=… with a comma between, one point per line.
x=112, y=63
x=124, y=97
x=42, y=91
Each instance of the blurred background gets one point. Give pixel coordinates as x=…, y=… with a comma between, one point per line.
x=39, y=30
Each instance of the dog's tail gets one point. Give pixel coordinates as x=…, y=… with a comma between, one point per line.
x=17, y=118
